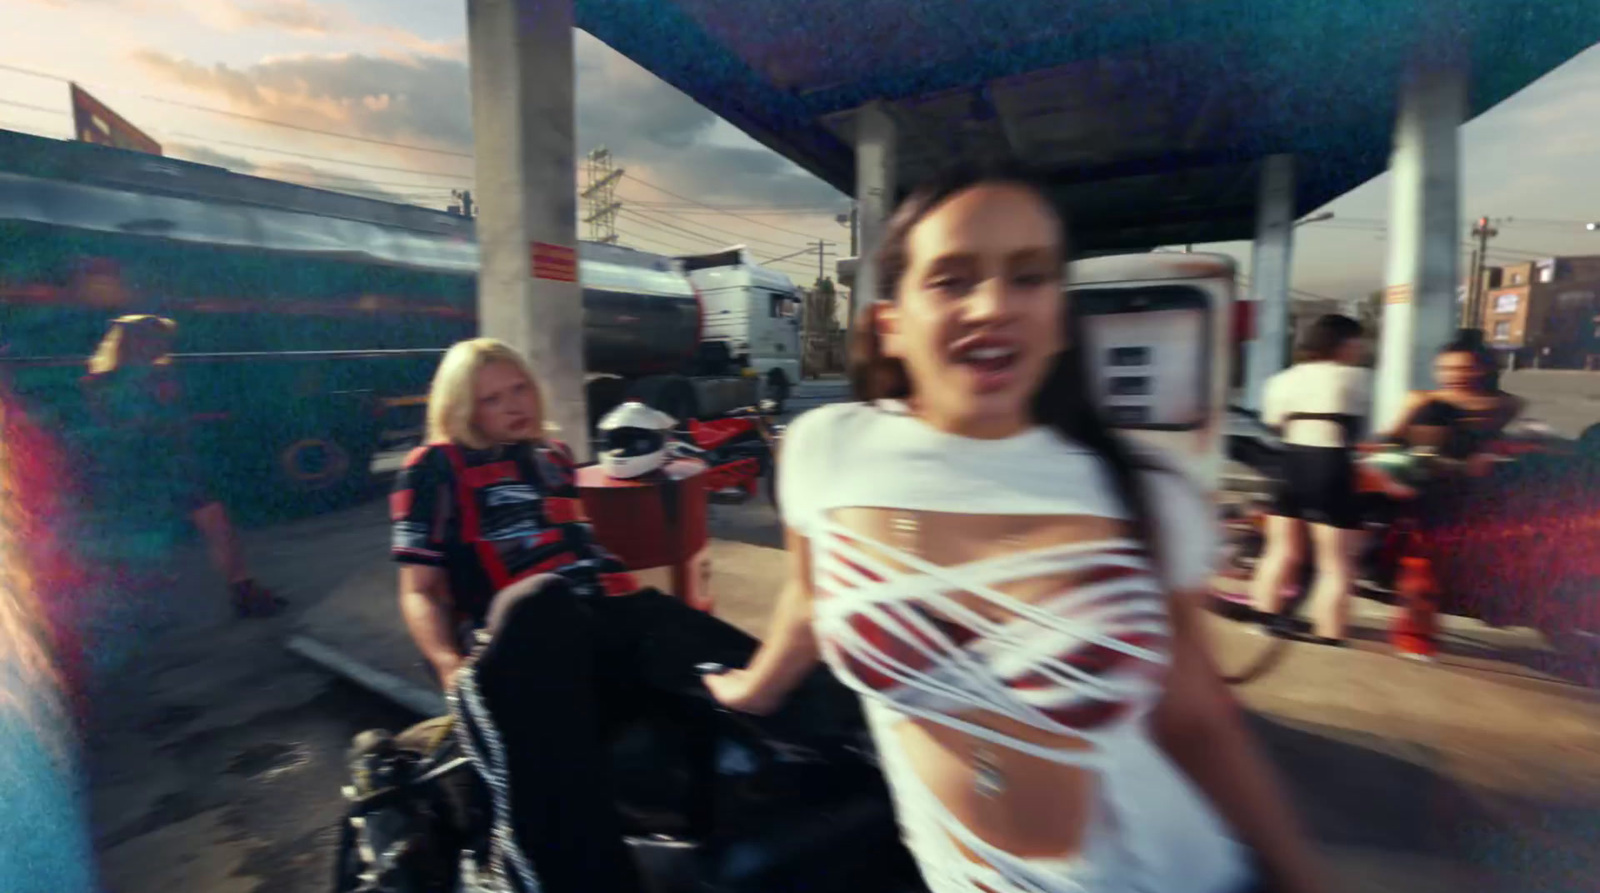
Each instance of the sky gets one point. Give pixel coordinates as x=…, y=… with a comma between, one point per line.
x=394, y=71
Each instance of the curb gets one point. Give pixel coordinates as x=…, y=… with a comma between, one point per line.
x=418, y=700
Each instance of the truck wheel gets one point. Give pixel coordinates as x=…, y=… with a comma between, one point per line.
x=324, y=469
x=778, y=388
x=672, y=394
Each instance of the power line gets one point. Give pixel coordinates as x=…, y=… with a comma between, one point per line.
x=243, y=117
x=1537, y=221
x=739, y=237
x=203, y=141
x=678, y=245
x=31, y=107
x=30, y=130
x=728, y=213
x=1524, y=251
x=699, y=210
x=381, y=167
x=640, y=219
x=399, y=145
x=674, y=243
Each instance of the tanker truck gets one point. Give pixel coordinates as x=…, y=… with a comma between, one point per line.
x=309, y=322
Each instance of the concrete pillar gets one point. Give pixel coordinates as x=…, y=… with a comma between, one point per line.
x=1269, y=276
x=522, y=122
x=875, y=188
x=1419, y=313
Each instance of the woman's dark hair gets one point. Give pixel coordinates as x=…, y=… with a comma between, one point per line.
x=1063, y=402
x=1329, y=333
x=1471, y=341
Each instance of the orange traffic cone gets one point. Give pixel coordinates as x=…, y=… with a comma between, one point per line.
x=1415, y=630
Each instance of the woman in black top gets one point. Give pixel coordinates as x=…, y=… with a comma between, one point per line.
x=541, y=637
x=1465, y=413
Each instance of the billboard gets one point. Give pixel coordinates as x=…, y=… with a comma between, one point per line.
x=93, y=122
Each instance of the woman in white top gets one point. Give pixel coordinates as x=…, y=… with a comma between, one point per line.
x=1320, y=408
x=1013, y=594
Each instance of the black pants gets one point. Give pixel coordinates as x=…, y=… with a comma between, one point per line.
x=537, y=707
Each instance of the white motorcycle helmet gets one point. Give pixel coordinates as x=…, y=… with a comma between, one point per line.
x=632, y=440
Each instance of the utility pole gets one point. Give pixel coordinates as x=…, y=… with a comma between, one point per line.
x=1483, y=231
x=851, y=220
x=822, y=256
x=1474, y=273
x=600, y=196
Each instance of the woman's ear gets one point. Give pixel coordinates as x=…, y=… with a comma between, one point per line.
x=885, y=320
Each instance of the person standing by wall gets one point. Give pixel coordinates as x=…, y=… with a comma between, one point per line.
x=145, y=459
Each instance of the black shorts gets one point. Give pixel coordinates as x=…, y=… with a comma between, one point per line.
x=1318, y=486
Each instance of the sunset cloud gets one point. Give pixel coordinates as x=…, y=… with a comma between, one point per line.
x=427, y=98
x=418, y=99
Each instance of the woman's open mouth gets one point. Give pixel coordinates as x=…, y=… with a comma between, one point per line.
x=992, y=361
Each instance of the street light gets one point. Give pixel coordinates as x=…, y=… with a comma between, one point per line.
x=1315, y=218
x=849, y=220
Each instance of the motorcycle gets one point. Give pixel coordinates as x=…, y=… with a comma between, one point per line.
x=740, y=448
x=787, y=804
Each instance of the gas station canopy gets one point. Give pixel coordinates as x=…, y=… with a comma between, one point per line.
x=1150, y=117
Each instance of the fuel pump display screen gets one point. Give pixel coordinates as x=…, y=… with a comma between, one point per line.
x=1151, y=353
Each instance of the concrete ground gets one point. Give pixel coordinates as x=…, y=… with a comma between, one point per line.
x=216, y=755
x=1569, y=401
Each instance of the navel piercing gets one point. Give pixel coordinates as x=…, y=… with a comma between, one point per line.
x=987, y=779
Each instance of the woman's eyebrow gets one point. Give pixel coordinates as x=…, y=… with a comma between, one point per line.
x=1030, y=255
x=947, y=261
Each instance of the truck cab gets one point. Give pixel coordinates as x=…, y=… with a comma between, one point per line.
x=754, y=310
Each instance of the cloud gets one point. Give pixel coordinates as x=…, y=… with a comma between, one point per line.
x=415, y=99
x=647, y=125
x=455, y=48
x=299, y=17
x=296, y=16
x=645, y=122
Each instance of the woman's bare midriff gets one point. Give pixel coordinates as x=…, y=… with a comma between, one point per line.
x=1042, y=807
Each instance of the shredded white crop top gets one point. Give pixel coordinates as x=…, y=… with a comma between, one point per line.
x=946, y=639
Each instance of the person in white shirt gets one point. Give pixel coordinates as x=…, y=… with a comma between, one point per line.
x=1012, y=589
x=1321, y=408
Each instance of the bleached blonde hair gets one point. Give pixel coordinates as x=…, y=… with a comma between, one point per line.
x=453, y=396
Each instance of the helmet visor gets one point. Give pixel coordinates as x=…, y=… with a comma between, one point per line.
x=633, y=441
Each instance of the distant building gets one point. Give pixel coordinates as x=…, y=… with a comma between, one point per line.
x=1543, y=313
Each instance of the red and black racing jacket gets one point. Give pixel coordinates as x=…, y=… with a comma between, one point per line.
x=492, y=517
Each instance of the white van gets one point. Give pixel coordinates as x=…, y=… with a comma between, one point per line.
x=755, y=310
